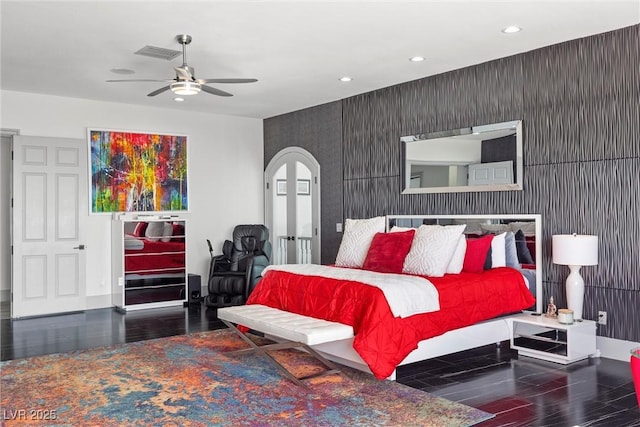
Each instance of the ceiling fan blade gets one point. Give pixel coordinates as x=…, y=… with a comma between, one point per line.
x=141, y=80
x=158, y=91
x=228, y=80
x=214, y=91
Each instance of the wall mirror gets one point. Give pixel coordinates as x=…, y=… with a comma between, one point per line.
x=478, y=158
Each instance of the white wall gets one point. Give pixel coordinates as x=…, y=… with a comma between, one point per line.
x=446, y=150
x=225, y=169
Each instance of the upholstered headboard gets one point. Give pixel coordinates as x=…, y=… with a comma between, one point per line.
x=528, y=226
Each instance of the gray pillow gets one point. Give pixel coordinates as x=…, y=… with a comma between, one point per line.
x=511, y=252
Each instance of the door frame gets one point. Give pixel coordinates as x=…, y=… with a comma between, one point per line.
x=301, y=155
x=6, y=178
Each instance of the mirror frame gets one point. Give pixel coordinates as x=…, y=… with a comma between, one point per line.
x=514, y=124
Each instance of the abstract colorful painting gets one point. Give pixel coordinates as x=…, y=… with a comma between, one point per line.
x=137, y=172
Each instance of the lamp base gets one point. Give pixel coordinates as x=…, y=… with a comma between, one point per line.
x=575, y=291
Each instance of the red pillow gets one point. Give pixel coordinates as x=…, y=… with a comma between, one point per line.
x=476, y=254
x=140, y=229
x=178, y=232
x=388, y=251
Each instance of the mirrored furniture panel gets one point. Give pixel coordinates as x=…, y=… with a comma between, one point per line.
x=148, y=261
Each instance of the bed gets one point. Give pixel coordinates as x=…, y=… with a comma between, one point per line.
x=472, y=306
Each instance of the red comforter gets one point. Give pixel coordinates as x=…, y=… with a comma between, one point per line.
x=382, y=340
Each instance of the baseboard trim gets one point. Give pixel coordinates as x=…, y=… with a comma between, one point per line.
x=99, y=301
x=612, y=348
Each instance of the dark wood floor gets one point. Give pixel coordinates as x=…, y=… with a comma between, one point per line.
x=520, y=391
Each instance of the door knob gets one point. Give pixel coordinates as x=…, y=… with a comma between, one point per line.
x=81, y=247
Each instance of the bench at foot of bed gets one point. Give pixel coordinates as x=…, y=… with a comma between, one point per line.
x=296, y=330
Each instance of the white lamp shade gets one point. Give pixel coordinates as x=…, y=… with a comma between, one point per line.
x=575, y=249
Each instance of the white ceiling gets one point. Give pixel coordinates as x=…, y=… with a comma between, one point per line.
x=296, y=49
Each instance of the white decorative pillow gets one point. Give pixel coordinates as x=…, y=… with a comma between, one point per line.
x=498, y=251
x=396, y=229
x=167, y=232
x=457, y=260
x=357, y=237
x=432, y=249
x=154, y=231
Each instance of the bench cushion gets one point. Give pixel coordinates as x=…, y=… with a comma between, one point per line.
x=290, y=326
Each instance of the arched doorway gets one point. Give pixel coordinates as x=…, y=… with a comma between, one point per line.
x=292, y=206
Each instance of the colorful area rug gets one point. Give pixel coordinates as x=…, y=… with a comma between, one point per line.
x=186, y=381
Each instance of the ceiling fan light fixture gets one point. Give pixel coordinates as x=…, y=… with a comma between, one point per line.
x=185, y=88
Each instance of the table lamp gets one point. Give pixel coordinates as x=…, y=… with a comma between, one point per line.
x=575, y=250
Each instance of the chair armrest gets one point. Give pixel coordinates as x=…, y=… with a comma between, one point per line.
x=220, y=263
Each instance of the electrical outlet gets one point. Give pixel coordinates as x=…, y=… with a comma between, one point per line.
x=602, y=317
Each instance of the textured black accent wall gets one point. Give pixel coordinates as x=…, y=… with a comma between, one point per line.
x=579, y=102
x=319, y=131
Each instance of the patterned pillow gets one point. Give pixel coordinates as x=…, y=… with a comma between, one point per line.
x=357, y=237
x=432, y=249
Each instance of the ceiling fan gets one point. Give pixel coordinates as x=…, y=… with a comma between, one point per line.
x=185, y=82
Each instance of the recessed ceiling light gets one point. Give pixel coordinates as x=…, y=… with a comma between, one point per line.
x=511, y=29
x=178, y=99
x=122, y=71
x=416, y=59
x=345, y=79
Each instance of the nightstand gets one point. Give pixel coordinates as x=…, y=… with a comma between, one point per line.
x=545, y=338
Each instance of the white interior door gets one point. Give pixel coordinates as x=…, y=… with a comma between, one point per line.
x=292, y=207
x=491, y=173
x=49, y=214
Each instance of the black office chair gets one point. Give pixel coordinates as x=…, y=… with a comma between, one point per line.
x=235, y=273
